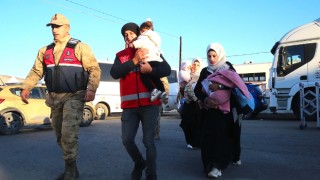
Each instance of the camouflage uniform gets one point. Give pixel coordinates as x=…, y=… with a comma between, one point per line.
x=66, y=108
x=166, y=87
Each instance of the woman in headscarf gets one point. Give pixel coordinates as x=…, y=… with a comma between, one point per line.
x=190, y=121
x=217, y=140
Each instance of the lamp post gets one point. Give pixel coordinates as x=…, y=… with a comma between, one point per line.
x=180, y=53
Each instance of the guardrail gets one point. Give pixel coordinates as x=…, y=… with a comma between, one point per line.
x=309, y=104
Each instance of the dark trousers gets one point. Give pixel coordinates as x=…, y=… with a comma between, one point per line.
x=236, y=138
x=191, y=123
x=152, y=82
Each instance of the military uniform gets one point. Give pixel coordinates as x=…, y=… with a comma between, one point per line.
x=66, y=105
x=61, y=102
x=166, y=87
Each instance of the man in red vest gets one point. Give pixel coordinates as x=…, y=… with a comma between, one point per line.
x=135, y=102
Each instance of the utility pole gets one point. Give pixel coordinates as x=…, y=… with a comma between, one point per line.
x=180, y=53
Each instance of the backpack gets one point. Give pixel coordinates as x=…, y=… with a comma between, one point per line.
x=243, y=104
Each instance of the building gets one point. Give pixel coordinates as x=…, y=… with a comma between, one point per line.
x=255, y=73
x=5, y=79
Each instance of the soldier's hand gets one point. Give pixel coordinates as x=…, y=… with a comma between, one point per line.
x=89, y=96
x=25, y=96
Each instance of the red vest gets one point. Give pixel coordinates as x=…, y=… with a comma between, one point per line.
x=68, y=75
x=132, y=91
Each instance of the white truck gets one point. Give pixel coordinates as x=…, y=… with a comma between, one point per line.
x=296, y=60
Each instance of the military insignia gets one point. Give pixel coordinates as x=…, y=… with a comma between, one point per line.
x=68, y=59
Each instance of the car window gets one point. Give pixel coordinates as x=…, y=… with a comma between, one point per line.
x=36, y=93
x=15, y=91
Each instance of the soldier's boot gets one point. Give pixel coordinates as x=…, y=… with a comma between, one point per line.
x=62, y=175
x=70, y=171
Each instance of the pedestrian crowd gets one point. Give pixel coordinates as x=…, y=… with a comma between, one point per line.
x=209, y=117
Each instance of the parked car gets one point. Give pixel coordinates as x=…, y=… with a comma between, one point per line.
x=259, y=100
x=14, y=114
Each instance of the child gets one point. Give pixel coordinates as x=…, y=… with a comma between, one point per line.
x=184, y=74
x=150, y=40
x=189, y=94
x=224, y=81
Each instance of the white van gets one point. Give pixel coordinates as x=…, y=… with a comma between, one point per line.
x=296, y=60
x=107, y=98
x=173, y=92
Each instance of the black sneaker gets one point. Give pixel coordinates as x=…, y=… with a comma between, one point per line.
x=136, y=174
x=151, y=177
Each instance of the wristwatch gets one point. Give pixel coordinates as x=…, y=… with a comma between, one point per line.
x=221, y=86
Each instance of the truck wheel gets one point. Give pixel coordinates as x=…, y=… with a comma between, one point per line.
x=87, y=117
x=10, y=123
x=102, y=111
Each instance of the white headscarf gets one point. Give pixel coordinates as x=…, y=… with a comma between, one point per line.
x=200, y=64
x=221, y=64
x=195, y=75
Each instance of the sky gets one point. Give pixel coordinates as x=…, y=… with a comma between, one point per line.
x=247, y=29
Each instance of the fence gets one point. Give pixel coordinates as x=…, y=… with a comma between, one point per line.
x=309, y=104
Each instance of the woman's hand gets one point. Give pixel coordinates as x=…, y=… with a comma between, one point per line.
x=214, y=86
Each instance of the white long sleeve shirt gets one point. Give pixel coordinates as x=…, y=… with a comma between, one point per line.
x=150, y=40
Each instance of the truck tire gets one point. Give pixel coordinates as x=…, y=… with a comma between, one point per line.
x=87, y=117
x=102, y=111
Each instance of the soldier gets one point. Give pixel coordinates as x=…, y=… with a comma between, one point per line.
x=72, y=75
x=164, y=101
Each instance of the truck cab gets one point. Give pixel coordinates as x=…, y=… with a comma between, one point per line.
x=296, y=60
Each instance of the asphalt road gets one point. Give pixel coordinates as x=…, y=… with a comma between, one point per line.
x=273, y=147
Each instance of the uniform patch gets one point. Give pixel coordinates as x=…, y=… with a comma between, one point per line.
x=68, y=59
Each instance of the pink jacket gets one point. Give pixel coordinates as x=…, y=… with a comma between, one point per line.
x=230, y=79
